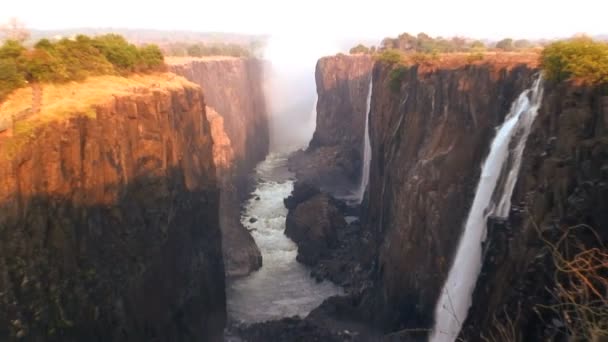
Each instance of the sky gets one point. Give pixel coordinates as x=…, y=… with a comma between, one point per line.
x=324, y=18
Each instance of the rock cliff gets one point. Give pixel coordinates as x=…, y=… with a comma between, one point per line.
x=561, y=195
x=108, y=224
x=429, y=134
x=333, y=158
x=233, y=89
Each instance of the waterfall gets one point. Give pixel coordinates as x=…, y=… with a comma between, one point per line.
x=367, y=147
x=490, y=199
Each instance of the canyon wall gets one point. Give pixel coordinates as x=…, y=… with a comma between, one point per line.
x=108, y=224
x=430, y=131
x=561, y=195
x=233, y=89
x=334, y=156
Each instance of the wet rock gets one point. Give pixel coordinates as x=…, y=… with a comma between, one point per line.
x=333, y=159
x=313, y=226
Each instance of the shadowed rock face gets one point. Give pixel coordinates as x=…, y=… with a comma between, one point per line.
x=563, y=182
x=109, y=228
x=333, y=159
x=429, y=137
x=234, y=93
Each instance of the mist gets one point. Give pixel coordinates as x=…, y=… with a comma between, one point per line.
x=290, y=88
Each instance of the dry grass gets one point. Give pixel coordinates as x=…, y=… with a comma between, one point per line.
x=497, y=60
x=581, y=283
x=63, y=101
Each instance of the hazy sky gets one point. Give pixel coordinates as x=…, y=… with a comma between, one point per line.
x=337, y=18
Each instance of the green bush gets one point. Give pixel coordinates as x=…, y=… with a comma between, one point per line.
x=116, y=50
x=151, y=58
x=10, y=77
x=424, y=58
x=73, y=60
x=505, y=44
x=474, y=57
x=396, y=77
x=11, y=49
x=359, y=49
x=390, y=56
x=581, y=58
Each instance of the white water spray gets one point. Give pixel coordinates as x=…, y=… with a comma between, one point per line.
x=367, y=147
x=456, y=297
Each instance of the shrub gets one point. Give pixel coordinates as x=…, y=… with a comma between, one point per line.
x=581, y=58
x=73, y=60
x=10, y=77
x=478, y=45
x=396, y=77
x=116, y=50
x=505, y=44
x=359, y=49
x=151, y=58
x=11, y=49
x=474, y=57
x=195, y=51
x=40, y=65
x=390, y=56
x=423, y=58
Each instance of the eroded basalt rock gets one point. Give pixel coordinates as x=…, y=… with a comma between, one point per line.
x=333, y=159
x=233, y=91
x=109, y=227
x=313, y=226
x=429, y=136
x=563, y=183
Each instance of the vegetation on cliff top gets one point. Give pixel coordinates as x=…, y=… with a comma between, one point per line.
x=423, y=43
x=211, y=49
x=581, y=58
x=73, y=60
x=82, y=100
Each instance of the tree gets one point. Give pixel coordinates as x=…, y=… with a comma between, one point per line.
x=195, y=50
x=522, y=44
x=478, y=45
x=11, y=49
x=116, y=49
x=151, y=57
x=10, y=78
x=14, y=30
x=505, y=44
x=359, y=49
x=579, y=58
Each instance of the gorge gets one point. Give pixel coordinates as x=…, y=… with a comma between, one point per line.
x=430, y=203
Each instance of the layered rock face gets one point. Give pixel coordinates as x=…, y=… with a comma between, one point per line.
x=429, y=134
x=561, y=196
x=333, y=159
x=233, y=89
x=109, y=227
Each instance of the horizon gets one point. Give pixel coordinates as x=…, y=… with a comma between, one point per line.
x=315, y=20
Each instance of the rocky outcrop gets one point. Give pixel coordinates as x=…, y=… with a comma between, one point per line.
x=333, y=159
x=233, y=89
x=563, y=184
x=109, y=228
x=313, y=226
x=430, y=131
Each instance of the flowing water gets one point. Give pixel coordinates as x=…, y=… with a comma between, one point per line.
x=367, y=147
x=282, y=287
x=491, y=198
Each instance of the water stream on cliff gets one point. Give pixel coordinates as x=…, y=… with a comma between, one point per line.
x=492, y=197
x=282, y=287
x=367, y=147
